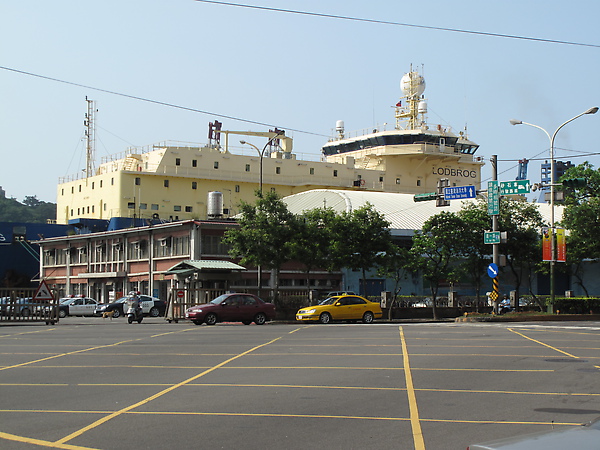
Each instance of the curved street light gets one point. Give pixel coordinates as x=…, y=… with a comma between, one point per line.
x=552, y=137
x=261, y=153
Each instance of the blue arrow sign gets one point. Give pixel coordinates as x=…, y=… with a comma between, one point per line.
x=492, y=270
x=459, y=192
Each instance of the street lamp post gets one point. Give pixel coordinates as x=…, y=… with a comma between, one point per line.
x=552, y=138
x=261, y=154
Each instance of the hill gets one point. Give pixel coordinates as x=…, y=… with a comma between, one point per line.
x=31, y=210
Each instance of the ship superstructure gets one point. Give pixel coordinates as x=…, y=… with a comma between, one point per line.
x=177, y=181
x=414, y=155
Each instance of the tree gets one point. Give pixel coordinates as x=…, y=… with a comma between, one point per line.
x=435, y=250
x=360, y=239
x=395, y=265
x=522, y=222
x=581, y=217
x=264, y=235
x=312, y=239
x=477, y=253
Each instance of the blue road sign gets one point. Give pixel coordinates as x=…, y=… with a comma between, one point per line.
x=459, y=192
x=492, y=270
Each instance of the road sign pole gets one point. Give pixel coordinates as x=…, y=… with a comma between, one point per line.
x=495, y=247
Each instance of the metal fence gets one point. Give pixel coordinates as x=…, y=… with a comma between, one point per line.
x=18, y=305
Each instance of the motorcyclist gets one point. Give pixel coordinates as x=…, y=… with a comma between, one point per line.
x=135, y=302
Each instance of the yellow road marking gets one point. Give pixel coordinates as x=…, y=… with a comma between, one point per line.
x=65, y=354
x=26, y=332
x=542, y=343
x=412, y=398
x=157, y=395
x=310, y=416
x=41, y=443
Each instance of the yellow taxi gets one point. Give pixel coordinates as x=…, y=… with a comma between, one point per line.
x=341, y=307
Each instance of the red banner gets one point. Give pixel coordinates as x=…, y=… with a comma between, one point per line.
x=561, y=245
x=546, y=245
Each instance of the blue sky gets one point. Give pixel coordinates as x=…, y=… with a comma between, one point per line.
x=292, y=71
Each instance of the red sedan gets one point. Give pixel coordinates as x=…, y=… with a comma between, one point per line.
x=245, y=308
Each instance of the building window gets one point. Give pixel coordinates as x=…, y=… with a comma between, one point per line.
x=104, y=207
x=71, y=213
x=100, y=183
x=92, y=209
x=273, y=189
x=247, y=167
x=62, y=192
x=143, y=205
x=88, y=210
x=216, y=165
x=381, y=179
x=154, y=207
x=278, y=170
x=93, y=185
x=177, y=208
x=194, y=185
x=194, y=163
x=112, y=181
x=418, y=182
x=138, y=181
x=188, y=209
x=398, y=180
x=237, y=188
x=335, y=173
x=177, y=161
x=79, y=188
x=166, y=183
x=72, y=189
x=312, y=170
x=131, y=205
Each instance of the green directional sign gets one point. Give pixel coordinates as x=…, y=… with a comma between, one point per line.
x=493, y=198
x=425, y=197
x=515, y=187
x=491, y=237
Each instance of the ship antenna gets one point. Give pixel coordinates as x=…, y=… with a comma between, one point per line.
x=90, y=135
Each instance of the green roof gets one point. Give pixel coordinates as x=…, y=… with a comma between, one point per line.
x=203, y=265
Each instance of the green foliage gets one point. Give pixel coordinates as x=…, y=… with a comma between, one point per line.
x=265, y=232
x=31, y=210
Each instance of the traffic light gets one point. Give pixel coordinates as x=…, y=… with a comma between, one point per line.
x=425, y=197
x=575, y=182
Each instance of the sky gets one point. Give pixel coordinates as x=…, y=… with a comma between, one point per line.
x=297, y=72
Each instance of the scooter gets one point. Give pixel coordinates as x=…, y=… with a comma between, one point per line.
x=134, y=311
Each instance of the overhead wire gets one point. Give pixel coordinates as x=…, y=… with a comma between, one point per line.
x=158, y=102
x=400, y=24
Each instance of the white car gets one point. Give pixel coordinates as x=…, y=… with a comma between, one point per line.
x=76, y=306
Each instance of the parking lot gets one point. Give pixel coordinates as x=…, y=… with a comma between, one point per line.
x=104, y=384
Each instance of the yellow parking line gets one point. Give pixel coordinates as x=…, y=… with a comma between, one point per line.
x=412, y=398
x=41, y=443
x=157, y=395
x=309, y=416
x=541, y=343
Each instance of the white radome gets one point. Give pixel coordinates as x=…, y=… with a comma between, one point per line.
x=412, y=84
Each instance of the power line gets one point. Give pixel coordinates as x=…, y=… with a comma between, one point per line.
x=400, y=24
x=156, y=102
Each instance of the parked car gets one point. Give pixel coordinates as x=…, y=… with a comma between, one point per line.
x=338, y=293
x=151, y=306
x=76, y=306
x=21, y=306
x=342, y=307
x=585, y=437
x=245, y=308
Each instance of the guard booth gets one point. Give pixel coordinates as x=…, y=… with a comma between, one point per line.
x=26, y=305
x=197, y=282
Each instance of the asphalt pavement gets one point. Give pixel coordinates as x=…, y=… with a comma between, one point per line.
x=105, y=384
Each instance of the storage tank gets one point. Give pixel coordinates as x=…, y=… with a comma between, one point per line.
x=215, y=204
